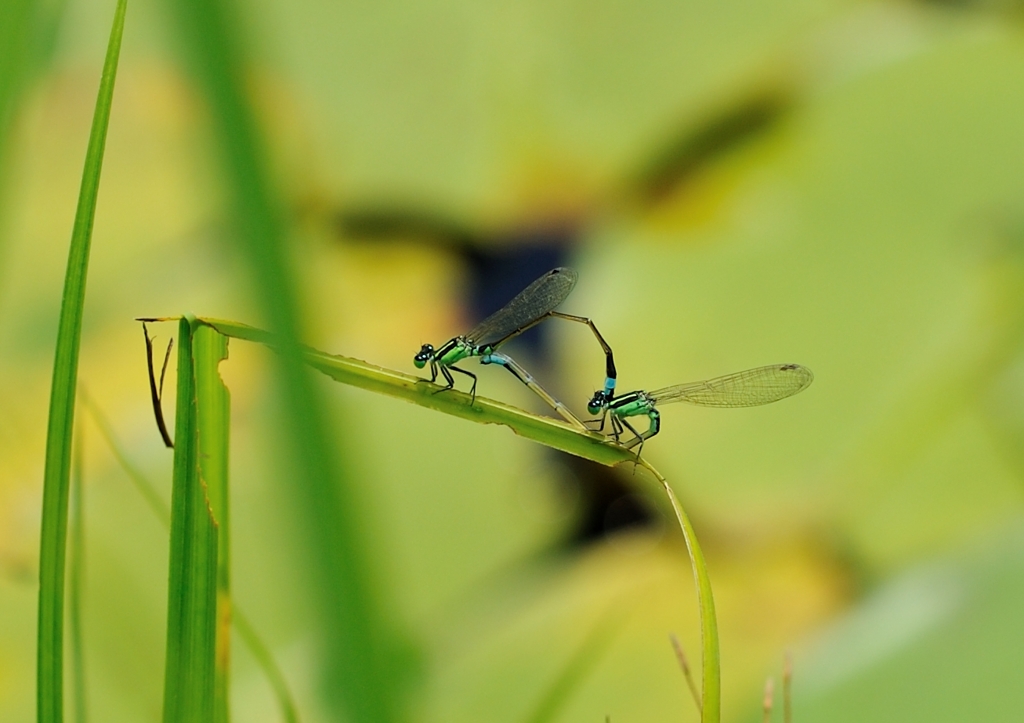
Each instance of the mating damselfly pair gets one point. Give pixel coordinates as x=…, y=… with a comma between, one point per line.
x=536, y=303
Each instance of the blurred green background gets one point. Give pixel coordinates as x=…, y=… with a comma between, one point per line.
x=839, y=184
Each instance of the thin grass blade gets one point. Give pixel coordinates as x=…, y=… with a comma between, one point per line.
x=711, y=669
x=53, y=536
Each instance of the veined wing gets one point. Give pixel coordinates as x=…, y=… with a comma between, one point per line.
x=533, y=302
x=749, y=388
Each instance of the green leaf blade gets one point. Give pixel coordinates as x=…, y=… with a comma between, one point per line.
x=711, y=669
x=56, y=475
x=370, y=377
x=189, y=677
x=213, y=404
x=239, y=620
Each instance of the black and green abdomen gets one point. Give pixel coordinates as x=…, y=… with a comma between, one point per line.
x=454, y=351
x=631, y=405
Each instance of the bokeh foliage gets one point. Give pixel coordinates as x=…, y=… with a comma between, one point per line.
x=872, y=232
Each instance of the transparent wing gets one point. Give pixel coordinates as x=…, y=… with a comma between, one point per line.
x=749, y=388
x=533, y=302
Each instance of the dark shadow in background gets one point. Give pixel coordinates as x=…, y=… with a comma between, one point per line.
x=499, y=264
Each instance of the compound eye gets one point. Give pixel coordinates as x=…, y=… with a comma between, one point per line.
x=425, y=354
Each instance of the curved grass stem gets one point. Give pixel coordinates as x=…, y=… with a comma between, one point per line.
x=550, y=432
x=711, y=698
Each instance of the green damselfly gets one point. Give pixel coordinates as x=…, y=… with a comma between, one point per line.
x=749, y=388
x=531, y=306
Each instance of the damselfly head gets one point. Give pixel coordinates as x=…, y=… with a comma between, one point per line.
x=598, y=402
x=425, y=355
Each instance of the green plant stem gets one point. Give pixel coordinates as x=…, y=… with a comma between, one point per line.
x=711, y=674
x=53, y=536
